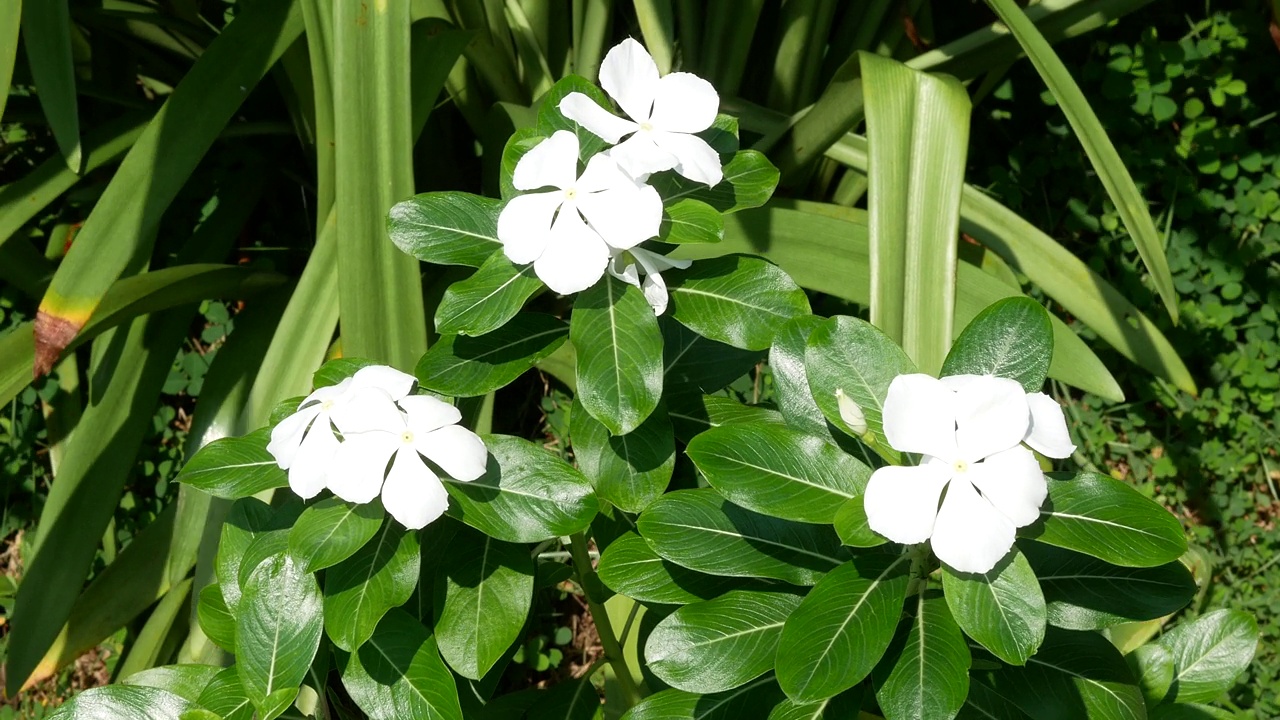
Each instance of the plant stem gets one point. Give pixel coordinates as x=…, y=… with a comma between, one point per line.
x=612, y=648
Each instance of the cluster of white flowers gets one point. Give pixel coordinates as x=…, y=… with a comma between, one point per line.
x=969, y=431
x=592, y=222
x=343, y=437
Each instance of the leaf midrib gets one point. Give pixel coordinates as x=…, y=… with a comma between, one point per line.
x=766, y=541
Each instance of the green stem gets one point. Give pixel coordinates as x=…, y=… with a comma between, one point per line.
x=612, y=648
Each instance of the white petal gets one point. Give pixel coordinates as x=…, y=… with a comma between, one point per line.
x=524, y=225
x=970, y=535
x=655, y=291
x=551, y=163
x=457, y=450
x=626, y=271
x=287, y=435
x=413, y=494
x=574, y=259
x=955, y=382
x=424, y=413
x=1013, y=483
x=329, y=392
x=359, y=464
x=387, y=379
x=920, y=416
x=639, y=156
x=603, y=173
x=311, y=465
x=623, y=217
x=630, y=76
x=367, y=410
x=684, y=103
x=657, y=262
x=1048, y=432
x=600, y=122
x=902, y=501
x=696, y=160
x=991, y=416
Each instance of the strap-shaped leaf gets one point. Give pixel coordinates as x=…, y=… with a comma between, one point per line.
x=278, y=626
x=398, y=673
x=925, y=673
x=1210, y=652
x=619, y=350
x=332, y=530
x=1002, y=609
x=740, y=300
x=488, y=299
x=1012, y=338
x=630, y=567
x=361, y=589
x=461, y=366
x=632, y=470
x=235, y=467
x=749, y=182
x=446, y=228
x=720, y=644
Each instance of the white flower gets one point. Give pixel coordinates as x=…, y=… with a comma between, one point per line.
x=628, y=265
x=664, y=111
x=1047, y=433
x=969, y=431
x=569, y=232
x=304, y=443
x=381, y=430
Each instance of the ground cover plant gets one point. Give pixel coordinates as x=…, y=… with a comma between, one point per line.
x=860, y=535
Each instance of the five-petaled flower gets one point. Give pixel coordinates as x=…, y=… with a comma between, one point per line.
x=969, y=432
x=569, y=232
x=664, y=111
x=629, y=265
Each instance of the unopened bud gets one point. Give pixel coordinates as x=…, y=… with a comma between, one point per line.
x=851, y=413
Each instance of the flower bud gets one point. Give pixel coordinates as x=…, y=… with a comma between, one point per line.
x=851, y=413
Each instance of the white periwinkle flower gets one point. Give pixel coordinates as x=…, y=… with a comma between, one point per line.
x=968, y=431
x=664, y=111
x=568, y=233
x=629, y=265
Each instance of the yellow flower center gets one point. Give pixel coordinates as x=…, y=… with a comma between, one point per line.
x=571, y=193
x=960, y=466
x=406, y=437
x=646, y=126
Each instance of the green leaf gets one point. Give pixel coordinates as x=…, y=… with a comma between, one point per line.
x=398, y=673
x=1003, y=609
x=1153, y=667
x=739, y=300
x=122, y=701
x=461, y=366
x=844, y=706
x=46, y=33
x=691, y=221
x=918, y=135
x=928, y=676
x=226, y=697
x=332, y=530
x=1108, y=519
x=1074, y=675
x=749, y=182
x=1189, y=711
x=630, y=567
x=741, y=702
x=446, y=228
x=518, y=145
x=692, y=414
x=1209, y=653
x=1012, y=338
x=842, y=628
x=791, y=379
x=247, y=519
x=632, y=470
x=361, y=589
x=1093, y=138
x=778, y=471
x=215, y=619
x=848, y=354
x=526, y=494
x=488, y=299
x=337, y=370
x=483, y=591
x=571, y=700
x=185, y=681
x=720, y=644
x=235, y=467
x=852, y=526
x=550, y=119
x=278, y=626
x=986, y=703
x=619, y=350
x=702, y=531
x=1084, y=593
x=695, y=365
x=10, y=20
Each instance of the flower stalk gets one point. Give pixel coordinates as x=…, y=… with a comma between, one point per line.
x=612, y=648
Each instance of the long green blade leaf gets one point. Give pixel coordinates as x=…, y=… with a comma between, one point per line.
x=10, y=19
x=46, y=33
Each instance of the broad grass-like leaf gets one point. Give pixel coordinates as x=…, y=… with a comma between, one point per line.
x=488, y=299
x=1013, y=338
x=729, y=705
x=926, y=674
x=720, y=644
x=151, y=646
x=632, y=470
x=446, y=228
x=333, y=530
x=918, y=133
x=235, y=467
x=461, y=366
x=778, y=471
x=702, y=531
x=691, y=221
x=749, y=181
x=361, y=589
x=123, y=701
x=739, y=300
x=10, y=20
x=1209, y=653
x=842, y=628
x=278, y=626
x=630, y=567
x=398, y=673
x=619, y=350
x=1003, y=609
x=1108, y=519
x=46, y=33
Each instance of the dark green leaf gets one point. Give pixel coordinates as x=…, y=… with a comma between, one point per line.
x=235, y=467
x=123, y=701
x=844, y=706
x=278, y=628
x=632, y=470
x=1012, y=338
x=749, y=181
x=446, y=228
x=691, y=221
x=216, y=621
x=619, y=350
x=852, y=527
x=692, y=414
x=1153, y=667
x=461, y=366
x=740, y=300
x=185, y=681
x=840, y=631
x=398, y=673
x=1189, y=711
x=361, y=589
x=986, y=703
x=702, y=531
x=630, y=567
x=928, y=675
x=225, y=696
x=1002, y=609
x=735, y=704
x=694, y=365
x=571, y=700
x=520, y=143
x=1209, y=653
x=791, y=379
x=720, y=644
x=488, y=299
x=331, y=530
x=337, y=370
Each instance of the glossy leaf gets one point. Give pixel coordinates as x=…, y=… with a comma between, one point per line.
x=1153, y=668
x=692, y=414
x=446, y=228
x=398, y=673
x=720, y=644
x=702, y=531
x=235, y=467
x=749, y=182
x=778, y=471
x=278, y=626
x=185, y=681
x=225, y=696
x=332, y=530
x=842, y=628
x=361, y=589
x=852, y=525
x=485, y=301
x=526, y=494
x=927, y=675
x=695, y=365
x=122, y=701
x=1003, y=609
x=791, y=378
x=247, y=518
x=729, y=705
x=841, y=707
x=738, y=300
x=550, y=119
x=619, y=350
x=632, y=470
x=1209, y=653
x=630, y=567
x=691, y=221
x=461, y=366
x=1013, y=338
x=215, y=619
